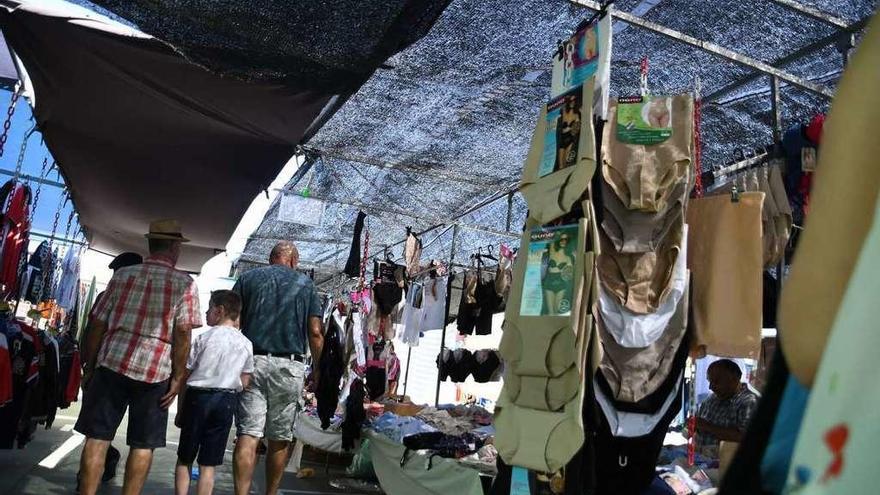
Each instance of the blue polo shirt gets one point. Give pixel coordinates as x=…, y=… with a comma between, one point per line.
x=277, y=302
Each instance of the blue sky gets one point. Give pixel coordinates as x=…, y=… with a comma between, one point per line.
x=50, y=196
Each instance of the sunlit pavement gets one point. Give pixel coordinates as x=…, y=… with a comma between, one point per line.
x=49, y=463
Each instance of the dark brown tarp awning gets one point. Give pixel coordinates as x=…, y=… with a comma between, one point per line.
x=141, y=133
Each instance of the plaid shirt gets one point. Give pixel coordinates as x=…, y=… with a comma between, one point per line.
x=735, y=412
x=140, y=307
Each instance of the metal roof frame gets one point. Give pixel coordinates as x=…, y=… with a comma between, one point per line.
x=710, y=47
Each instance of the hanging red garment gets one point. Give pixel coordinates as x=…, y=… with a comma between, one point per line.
x=16, y=227
x=71, y=393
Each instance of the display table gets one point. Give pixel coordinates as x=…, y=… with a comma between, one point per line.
x=308, y=431
x=419, y=473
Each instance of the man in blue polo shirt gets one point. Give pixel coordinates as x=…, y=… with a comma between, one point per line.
x=280, y=314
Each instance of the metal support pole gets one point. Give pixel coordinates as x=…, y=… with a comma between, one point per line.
x=776, y=110
x=812, y=12
x=446, y=314
x=406, y=374
x=845, y=46
x=776, y=115
x=509, y=212
x=712, y=48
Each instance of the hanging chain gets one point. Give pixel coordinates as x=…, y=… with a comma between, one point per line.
x=692, y=414
x=363, y=280
x=698, y=139
x=8, y=122
x=49, y=259
x=643, y=76
x=58, y=260
x=18, y=166
x=43, y=173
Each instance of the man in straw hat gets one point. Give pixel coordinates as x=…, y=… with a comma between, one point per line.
x=135, y=358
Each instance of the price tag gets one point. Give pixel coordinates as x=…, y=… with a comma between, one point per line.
x=808, y=159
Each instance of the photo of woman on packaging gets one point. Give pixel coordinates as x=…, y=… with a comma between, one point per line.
x=557, y=283
x=568, y=131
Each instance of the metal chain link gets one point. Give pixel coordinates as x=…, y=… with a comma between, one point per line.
x=18, y=165
x=698, y=139
x=49, y=259
x=8, y=123
x=43, y=173
x=66, y=239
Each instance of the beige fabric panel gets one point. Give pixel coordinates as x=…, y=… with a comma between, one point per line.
x=725, y=256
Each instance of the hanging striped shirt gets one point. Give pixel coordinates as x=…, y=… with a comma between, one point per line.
x=140, y=307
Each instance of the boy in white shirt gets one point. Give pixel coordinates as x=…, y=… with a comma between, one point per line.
x=219, y=367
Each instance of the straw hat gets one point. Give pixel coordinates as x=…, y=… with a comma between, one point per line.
x=166, y=229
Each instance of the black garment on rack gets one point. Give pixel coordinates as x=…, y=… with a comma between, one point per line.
x=743, y=476
x=376, y=375
x=387, y=295
x=627, y=465
x=770, y=300
x=332, y=367
x=353, y=265
x=42, y=264
x=467, y=312
x=355, y=415
x=486, y=363
x=488, y=302
x=462, y=365
x=21, y=354
x=67, y=347
x=444, y=363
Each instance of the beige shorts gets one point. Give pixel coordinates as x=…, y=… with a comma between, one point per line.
x=269, y=406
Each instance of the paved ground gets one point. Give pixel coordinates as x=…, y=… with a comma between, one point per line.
x=48, y=466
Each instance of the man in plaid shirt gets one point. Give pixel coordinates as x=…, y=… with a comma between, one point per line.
x=726, y=414
x=135, y=358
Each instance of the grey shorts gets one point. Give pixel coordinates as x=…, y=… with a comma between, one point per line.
x=268, y=407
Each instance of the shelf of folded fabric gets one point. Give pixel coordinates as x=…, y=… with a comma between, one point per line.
x=434, y=451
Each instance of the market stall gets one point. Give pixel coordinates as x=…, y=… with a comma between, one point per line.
x=627, y=200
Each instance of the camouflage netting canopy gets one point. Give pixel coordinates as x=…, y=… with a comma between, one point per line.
x=445, y=125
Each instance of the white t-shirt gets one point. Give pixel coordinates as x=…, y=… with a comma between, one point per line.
x=218, y=357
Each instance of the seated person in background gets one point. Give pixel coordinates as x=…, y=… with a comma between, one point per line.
x=219, y=367
x=726, y=413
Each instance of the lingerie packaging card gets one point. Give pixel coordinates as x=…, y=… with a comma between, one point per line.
x=562, y=156
x=644, y=119
x=548, y=287
x=562, y=133
x=587, y=54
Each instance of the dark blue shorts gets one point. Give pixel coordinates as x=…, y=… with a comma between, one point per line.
x=106, y=400
x=206, y=420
